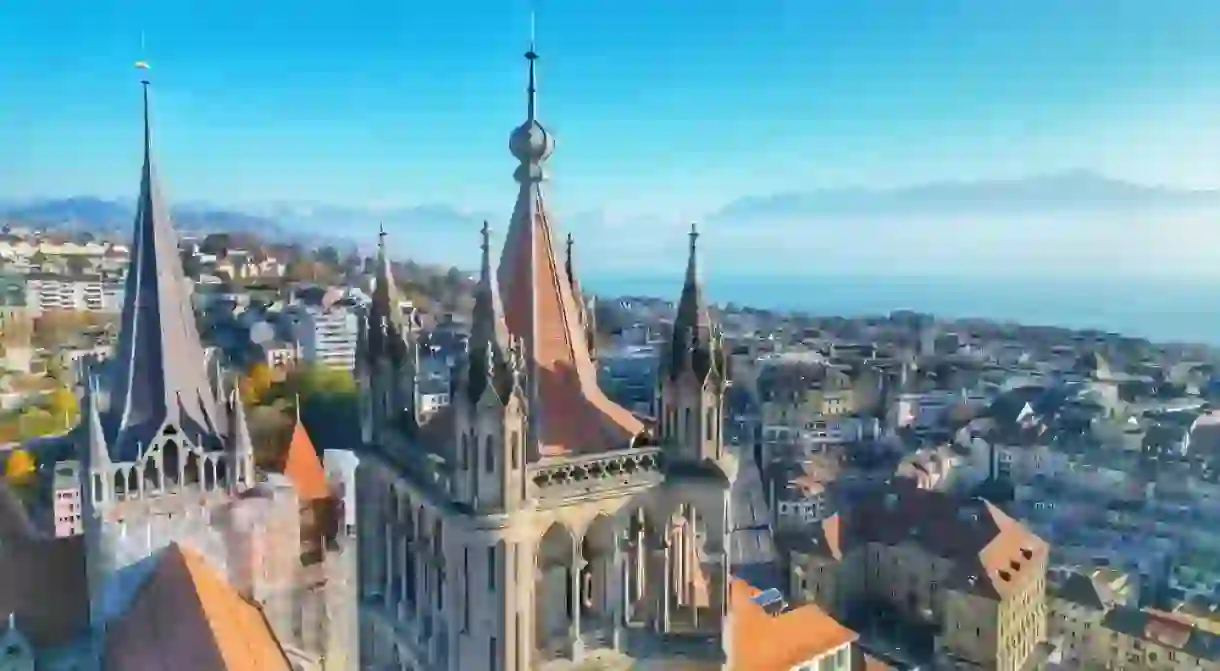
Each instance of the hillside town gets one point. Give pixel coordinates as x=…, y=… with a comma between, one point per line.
x=230, y=454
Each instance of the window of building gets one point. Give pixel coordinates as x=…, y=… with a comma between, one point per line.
x=489, y=460
x=515, y=447
x=491, y=568
x=491, y=654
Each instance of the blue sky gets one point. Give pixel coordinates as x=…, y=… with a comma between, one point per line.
x=667, y=108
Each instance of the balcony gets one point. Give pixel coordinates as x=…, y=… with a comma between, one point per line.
x=594, y=474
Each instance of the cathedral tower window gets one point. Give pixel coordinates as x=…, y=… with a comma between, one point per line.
x=711, y=424
x=466, y=589
x=463, y=457
x=692, y=427
x=490, y=458
x=515, y=448
x=491, y=568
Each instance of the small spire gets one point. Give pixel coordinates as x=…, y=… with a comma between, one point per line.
x=691, y=261
x=381, y=236
x=486, y=246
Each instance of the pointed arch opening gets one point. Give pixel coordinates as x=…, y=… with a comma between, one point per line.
x=209, y=474
x=595, y=582
x=192, y=470
x=120, y=485
x=171, y=465
x=152, y=474
x=555, y=592
x=133, y=481
x=222, y=472
x=692, y=597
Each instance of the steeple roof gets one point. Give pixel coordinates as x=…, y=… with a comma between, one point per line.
x=302, y=466
x=569, y=412
x=385, y=327
x=694, y=341
x=489, y=342
x=160, y=372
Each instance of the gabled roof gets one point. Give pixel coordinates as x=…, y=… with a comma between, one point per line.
x=187, y=617
x=766, y=642
x=160, y=368
x=302, y=466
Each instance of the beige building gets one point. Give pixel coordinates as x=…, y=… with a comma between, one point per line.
x=1076, y=607
x=770, y=636
x=1152, y=640
x=533, y=521
x=968, y=572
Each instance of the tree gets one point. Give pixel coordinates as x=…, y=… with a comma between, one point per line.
x=256, y=383
x=20, y=469
x=217, y=244
x=327, y=255
x=62, y=406
x=55, y=368
x=312, y=378
x=34, y=422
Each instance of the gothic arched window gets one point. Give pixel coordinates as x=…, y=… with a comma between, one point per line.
x=489, y=459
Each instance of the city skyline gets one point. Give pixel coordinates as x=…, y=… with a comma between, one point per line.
x=661, y=117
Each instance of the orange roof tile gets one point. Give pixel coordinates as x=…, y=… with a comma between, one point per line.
x=302, y=466
x=539, y=307
x=764, y=642
x=186, y=617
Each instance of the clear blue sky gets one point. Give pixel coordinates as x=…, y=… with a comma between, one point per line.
x=660, y=106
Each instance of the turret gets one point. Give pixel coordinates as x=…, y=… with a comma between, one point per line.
x=692, y=378
x=490, y=404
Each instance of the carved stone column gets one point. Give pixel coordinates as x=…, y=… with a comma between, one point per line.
x=387, y=564
x=574, y=573
x=667, y=586
x=617, y=593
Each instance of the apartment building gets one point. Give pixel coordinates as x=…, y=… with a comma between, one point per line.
x=66, y=503
x=1132, y=639
x=1076, y=608
x=325, y=328
x=966, y=571
x=92, y=293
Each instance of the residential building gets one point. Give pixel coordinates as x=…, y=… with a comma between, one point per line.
x=65, y=503
x=325, y=328
x=770, y=636
x=91, y=293
x=968, y=571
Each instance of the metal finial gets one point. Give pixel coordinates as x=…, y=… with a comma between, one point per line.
x=570, y=242
x=486, y=233
x=694, y=235
x=381, y=235
x=532, y=56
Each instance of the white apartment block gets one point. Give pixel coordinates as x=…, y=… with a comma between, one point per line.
x=325, y=334
x=47, y=292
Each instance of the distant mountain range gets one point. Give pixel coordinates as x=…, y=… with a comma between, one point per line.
x=1073, y=191
x=444, y=234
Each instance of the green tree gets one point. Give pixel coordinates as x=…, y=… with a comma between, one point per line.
x=63, y=407
x=35, y=422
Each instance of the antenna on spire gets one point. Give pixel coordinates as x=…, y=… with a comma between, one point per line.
x=486, y=233
x=381, y=235
x=532, y=56
x=694, y=236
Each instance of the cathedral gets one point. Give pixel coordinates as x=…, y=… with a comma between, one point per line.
x=533, y=523
x=189, y=558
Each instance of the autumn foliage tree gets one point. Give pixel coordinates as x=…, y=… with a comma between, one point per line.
x=19, y=468
x=256, y=384
x=62, y=406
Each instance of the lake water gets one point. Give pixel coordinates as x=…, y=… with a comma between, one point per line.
x=1165, y=310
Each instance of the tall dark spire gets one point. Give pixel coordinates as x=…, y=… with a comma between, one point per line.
x=694, y=338
x=159, y=377
x=385, y=327
x=487, y=362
